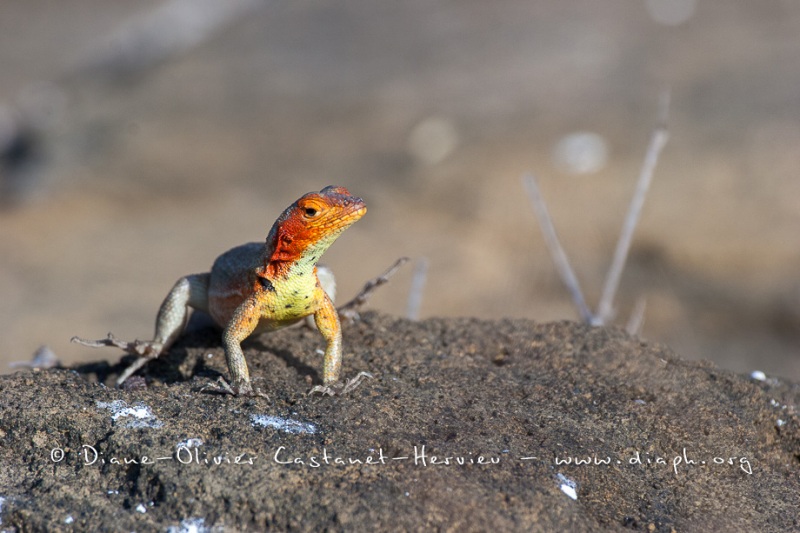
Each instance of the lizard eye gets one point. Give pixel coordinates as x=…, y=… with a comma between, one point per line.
x=310, y=208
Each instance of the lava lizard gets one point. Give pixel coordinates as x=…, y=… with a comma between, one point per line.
x=260, y=287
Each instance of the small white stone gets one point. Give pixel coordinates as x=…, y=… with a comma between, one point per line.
x=190, y=525
x=140, y=414
x=190, y=443
x=283, y=424
x=568, y=486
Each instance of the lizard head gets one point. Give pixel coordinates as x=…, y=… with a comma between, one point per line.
x=310, y=225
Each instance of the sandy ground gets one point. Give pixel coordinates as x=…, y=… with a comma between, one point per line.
x=431, y=112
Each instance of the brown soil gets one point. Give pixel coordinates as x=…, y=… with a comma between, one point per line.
x=523, y=396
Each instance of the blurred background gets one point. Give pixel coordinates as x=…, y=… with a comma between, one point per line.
x=138, y=140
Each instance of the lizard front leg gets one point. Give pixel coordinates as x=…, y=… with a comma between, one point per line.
x=242, y=324
x=189, y=291
x=327, y=320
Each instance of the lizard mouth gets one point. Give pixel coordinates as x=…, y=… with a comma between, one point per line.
x=353, y=208
x=352, y=213
x=347, y=214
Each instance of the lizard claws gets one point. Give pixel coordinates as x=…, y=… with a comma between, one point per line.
x=223, y=387
x=340, y=388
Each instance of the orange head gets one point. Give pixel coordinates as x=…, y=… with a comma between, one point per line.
x=310, y=225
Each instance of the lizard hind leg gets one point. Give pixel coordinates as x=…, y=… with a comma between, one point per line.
x=189, y=291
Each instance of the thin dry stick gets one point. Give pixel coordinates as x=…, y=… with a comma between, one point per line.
x=554, y=246
x=635, y=322
x=417, y=287
x=605, y=310
x=350, y=309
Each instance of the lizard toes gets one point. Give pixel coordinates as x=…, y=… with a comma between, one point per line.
x=240, y=389
x=325, y=390
x=339, y=388
x=356, y=381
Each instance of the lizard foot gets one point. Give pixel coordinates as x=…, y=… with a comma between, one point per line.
x=146, y=350
x=223, y=387
x=340, y=388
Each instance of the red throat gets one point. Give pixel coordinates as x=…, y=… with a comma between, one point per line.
x=287, y=246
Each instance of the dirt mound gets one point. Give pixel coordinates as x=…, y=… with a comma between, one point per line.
x=469, y=425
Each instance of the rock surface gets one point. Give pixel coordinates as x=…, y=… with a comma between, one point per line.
x=510, y=399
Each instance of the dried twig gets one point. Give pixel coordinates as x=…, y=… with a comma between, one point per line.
x=144, y=350
x=350, y=309
x=605, y=310
x=554, y=245
x=636, y=320
x=111, y=340
x=418, y=281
